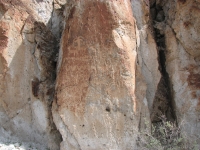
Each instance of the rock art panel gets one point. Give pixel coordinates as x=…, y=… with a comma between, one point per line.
x=95, y=105
x=75, y=76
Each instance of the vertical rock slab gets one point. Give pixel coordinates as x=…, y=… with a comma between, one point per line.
x=147, y=50
x=27, y=74
x=182, y=63
x=95, y=106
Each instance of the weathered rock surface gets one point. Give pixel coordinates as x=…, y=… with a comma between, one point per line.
x=147, y=51
x=121, y=64
x=95, y=104
x=27, y=73
x=182, y=62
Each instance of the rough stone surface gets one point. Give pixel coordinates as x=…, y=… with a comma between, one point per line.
x=27, y=74
x=95, y=105
x=147, y=50
x=182, y=62
x=90, y=74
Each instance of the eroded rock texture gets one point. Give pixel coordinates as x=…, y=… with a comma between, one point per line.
x=182, y=62
x=27, y=73
x=177, y=35
x=96, y=106
x=93, y=74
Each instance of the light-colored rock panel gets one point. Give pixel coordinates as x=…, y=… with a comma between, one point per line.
x=184, y=75
x=25, y=89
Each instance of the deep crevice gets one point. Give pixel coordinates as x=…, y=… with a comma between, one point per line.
x=48, y=44
x=163, y=104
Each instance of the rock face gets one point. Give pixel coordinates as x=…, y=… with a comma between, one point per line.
x=93, y=74
x=27, y=74
x=182, y=62
x=177, y=30
x=95, y=89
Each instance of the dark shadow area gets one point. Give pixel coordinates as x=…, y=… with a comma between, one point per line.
x=30, y=78
x=163, y=104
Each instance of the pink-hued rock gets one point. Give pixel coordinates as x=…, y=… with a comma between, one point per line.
x=94, y=74
x=95, y=100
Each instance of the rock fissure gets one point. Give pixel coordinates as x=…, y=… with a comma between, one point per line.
x=164, y=102
x=91, y=74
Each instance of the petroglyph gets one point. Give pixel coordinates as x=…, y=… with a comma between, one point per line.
x=95, y=74
x=76, y=75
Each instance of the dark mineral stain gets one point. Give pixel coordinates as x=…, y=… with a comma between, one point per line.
x=3, y=39
x=194, y=77
x=182, y=1
x=35, y=87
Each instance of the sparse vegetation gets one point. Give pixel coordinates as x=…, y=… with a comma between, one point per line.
x=164, y=135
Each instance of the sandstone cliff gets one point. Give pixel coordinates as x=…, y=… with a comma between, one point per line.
x=94, y=74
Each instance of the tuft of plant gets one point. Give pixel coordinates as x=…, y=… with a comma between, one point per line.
x=164, y=135
x=168, y=134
